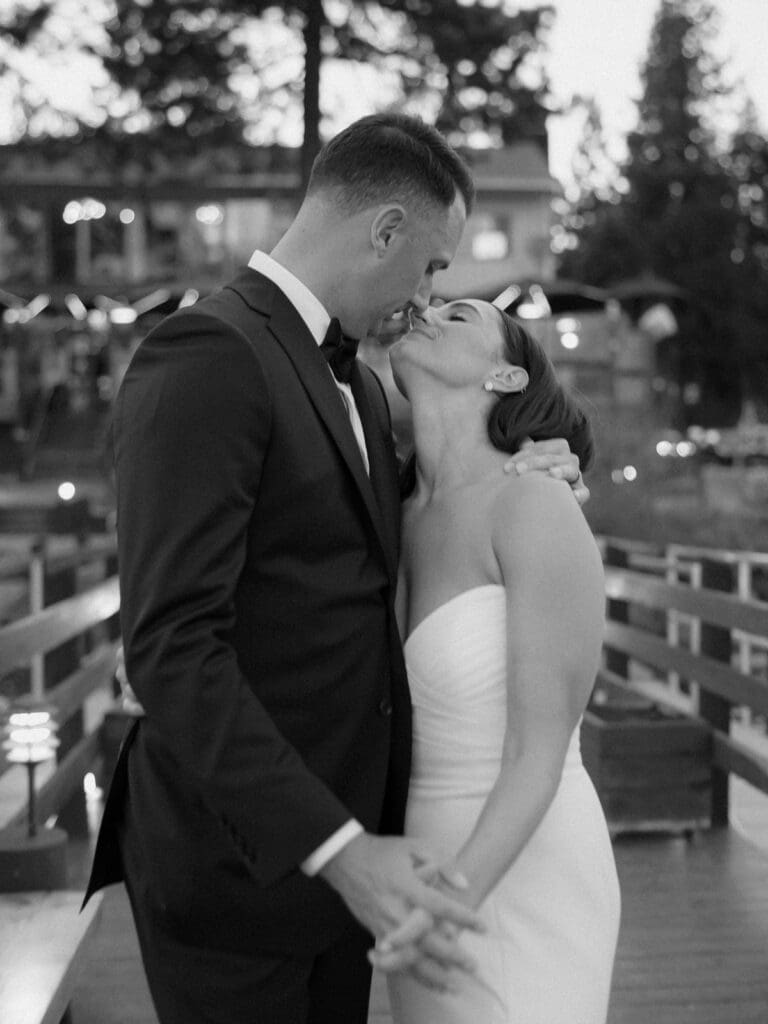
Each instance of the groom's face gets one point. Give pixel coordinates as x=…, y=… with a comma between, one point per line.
x=425, y=243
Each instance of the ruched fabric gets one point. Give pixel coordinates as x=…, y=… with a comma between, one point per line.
x=552, y=921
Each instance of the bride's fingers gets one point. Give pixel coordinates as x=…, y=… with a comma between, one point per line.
x=447, y=952
x=581, y=492
x=567, y=466
x=413, y=928
x=453, y=878
x=400, y=959
x=441, y=905
x=447, y=874
x=433, y=976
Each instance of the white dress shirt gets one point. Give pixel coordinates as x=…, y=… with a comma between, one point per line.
x=317, y=319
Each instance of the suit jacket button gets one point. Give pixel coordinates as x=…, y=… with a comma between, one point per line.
x=385, y=707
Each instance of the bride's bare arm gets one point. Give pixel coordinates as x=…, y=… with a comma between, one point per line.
x=555, y=607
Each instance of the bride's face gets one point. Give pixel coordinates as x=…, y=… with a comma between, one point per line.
x=458, y=344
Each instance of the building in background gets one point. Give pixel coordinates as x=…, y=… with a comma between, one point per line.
x=101, y=231
x=89, y=260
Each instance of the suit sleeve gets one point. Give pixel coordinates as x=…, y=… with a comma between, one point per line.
x=192, y=422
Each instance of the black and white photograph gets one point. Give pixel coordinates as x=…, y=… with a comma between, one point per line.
x=383, y=512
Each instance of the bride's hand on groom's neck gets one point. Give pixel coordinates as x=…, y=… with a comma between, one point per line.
x=553, y=457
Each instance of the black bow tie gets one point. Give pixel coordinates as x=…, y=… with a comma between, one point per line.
x=340, y=351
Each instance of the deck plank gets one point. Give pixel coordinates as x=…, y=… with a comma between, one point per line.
x=693, y=947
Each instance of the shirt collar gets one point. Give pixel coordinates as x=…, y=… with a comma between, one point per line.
x=310, y=309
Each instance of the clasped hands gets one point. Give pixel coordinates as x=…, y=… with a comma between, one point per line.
x=413, y=906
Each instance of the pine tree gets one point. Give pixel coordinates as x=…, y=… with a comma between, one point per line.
x=748, y=162
x=595, y=241
x=677, y=215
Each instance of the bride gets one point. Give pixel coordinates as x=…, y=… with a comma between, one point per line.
x=502, y=607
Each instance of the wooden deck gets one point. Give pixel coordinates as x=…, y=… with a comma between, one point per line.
x=693, y=947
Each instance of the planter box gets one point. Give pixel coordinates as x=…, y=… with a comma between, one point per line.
x=652, y=768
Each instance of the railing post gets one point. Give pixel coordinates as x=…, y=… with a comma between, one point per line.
x=36, y=604
x=673, y=619
x=61, y=583
x=716, y=643
x=617, y=611
x=744, y=590
x=113, y=624
x=696, y=625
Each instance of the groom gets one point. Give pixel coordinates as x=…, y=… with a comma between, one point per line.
x=258, y=519
x=258, y=515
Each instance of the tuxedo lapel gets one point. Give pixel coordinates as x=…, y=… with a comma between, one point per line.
x=295, y=338
x=383, y=465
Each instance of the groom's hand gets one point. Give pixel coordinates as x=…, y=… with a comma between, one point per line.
x=380, y=882
x=437, y=961
x=129, y=701
x=553, y=457
x=431, y=958
x=434, y=960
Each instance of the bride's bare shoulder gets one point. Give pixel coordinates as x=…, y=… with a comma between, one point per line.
x=533, y=492
x=537, y=511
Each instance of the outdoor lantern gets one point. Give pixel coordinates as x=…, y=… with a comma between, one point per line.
x=30, y=738
x=31, y=858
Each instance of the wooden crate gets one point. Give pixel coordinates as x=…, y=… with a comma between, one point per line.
x=650, y=766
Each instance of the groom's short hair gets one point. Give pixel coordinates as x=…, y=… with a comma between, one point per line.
x=385, y=157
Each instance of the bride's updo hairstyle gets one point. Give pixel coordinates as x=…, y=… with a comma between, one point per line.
x=544, y=410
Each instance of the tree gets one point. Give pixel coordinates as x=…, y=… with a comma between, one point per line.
x=180, y=61
x=748, y=163
x=190, y=80
x=173, y=63
x=30, y=47
x=486, y=64
x=19, y=23
x=674, y=211
x=595, y=242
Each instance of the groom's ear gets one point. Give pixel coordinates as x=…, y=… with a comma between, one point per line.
x=387, y=222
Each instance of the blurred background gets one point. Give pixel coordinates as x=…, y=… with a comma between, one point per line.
x=621, y=159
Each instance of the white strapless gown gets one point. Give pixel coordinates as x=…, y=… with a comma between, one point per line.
x=552, y=921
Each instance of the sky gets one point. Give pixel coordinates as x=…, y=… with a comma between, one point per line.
x=597, y=47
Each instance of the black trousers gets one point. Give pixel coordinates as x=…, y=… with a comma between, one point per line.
x=197, y=985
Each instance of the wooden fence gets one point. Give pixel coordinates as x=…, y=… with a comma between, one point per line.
x=63, y=654
x=705, y=669
x=679, y=623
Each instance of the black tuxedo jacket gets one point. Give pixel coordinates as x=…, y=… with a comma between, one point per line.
x=258, y=567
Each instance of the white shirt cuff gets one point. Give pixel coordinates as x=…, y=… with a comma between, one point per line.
x=333, y=845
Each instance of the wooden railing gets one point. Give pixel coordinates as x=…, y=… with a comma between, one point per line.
x=678, y=625
x=683, y=626
x=64, y=655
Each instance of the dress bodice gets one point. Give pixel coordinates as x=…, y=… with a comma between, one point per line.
x=552, y=918
x=457, y=669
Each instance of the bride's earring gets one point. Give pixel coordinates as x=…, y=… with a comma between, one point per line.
x=488, y=386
